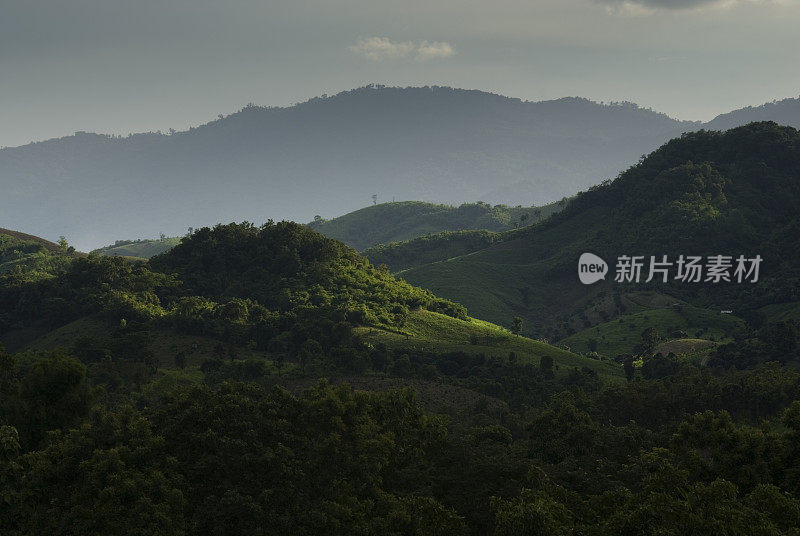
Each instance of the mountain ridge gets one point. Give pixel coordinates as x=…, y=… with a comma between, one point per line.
x=325, y=156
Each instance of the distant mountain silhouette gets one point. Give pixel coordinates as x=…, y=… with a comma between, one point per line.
x=326, y=156
x=784, y=112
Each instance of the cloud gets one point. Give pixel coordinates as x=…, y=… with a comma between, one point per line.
x=382, y=48
x=434, y=50
x=660, y=4
x=647, y=6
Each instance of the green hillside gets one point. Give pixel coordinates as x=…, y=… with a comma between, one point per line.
x=398, y=221
x=704, y=193
x=432, y=332
x=281, y=294
x=32, y=257
x=430, y=248
x=623, y=334
x=142, y=248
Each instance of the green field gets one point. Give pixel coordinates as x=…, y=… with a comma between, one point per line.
x=404, y=220
x=143, y=249
x=431, y=248
x=621, y=335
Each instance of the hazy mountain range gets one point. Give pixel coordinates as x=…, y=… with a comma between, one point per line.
x=328, y=156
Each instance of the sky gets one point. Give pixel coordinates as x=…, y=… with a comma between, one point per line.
x=121, y=66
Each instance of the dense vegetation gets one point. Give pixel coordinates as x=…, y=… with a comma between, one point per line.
x=676, y=450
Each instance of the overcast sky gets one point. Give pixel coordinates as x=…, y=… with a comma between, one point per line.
x=117, y=66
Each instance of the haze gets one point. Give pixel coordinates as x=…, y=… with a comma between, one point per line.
x=118, y=67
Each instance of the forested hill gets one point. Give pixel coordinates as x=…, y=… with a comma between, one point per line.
x=705, y=193
x=326, y=157
x=391, y=222
x=269, y=380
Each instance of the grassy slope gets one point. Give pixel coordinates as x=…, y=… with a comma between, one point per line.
x=431, y=248
x=777, y=312
x=398, y=221
x=143, y=249
x=50, y=246
x=694, y=350
x=620, y=336
x=513, y=277
x=429, y=331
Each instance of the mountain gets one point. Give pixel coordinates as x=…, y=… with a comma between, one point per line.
x=705, y=193
x=393, y=222
x=783, y=112
x=326, y=156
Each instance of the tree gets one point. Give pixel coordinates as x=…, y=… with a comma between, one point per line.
x=649, y=340
x=110, y=476
x=309, y=351
x=533, y=514
x=516, y=326
x=780, y=338
x=374, y=199
x=630, y=370
x=54, y=394
x=8, y=379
